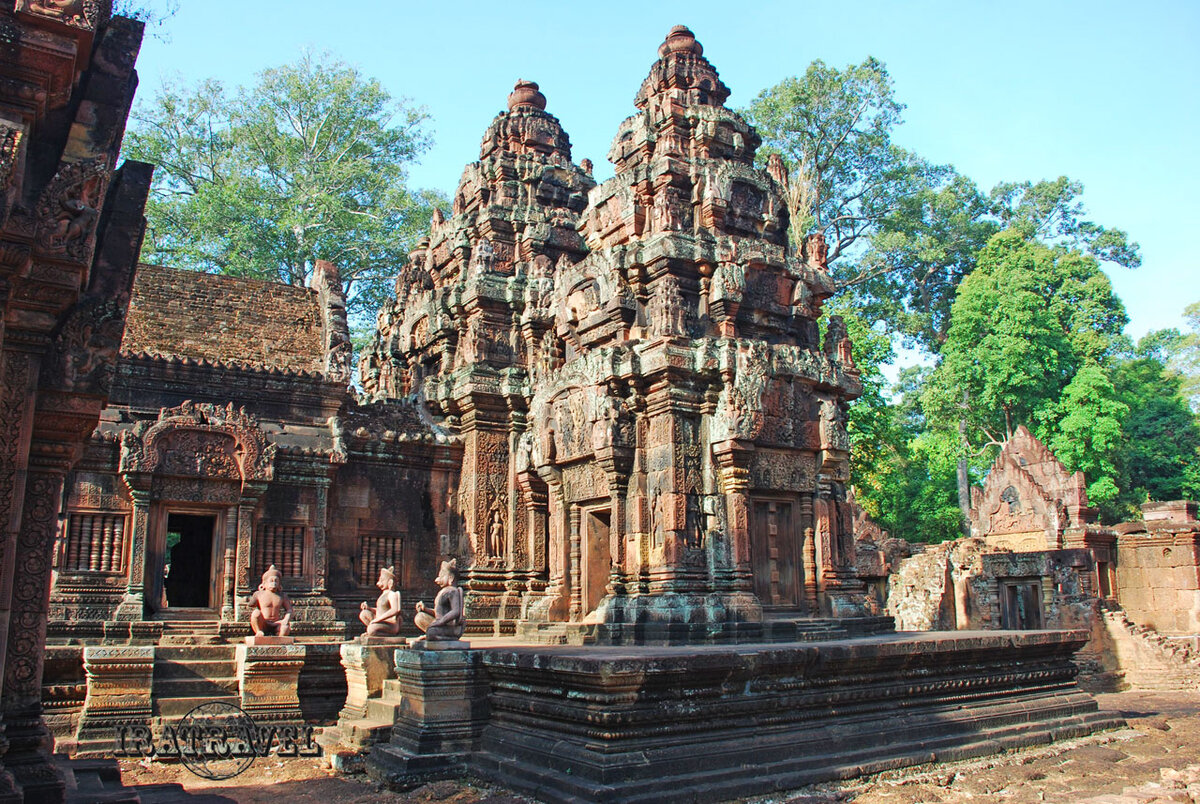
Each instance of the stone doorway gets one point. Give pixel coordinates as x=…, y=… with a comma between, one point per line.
x=1021, y=604
x=775, y=554
x=188, y=561
x=597, y=556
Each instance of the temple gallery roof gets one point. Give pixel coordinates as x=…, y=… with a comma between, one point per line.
x=185, y=314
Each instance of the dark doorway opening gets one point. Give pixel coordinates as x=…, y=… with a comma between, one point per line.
x=188, y=572
x=1021, y=604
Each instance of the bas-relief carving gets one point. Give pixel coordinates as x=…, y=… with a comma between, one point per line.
x=200, y=440
x=69, y=208
x=76, y=13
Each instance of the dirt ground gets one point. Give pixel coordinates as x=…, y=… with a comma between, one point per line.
x=1156, y=759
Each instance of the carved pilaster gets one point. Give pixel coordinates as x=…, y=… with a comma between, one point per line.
x=28, y=758
x=134, y=605
x=576, y=519
x=733, y=462
x=251, y=492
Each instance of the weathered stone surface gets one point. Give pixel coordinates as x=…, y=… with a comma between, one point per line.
x=443, y=707
x=653, y=428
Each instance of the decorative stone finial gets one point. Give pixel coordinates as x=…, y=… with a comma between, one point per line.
x=526, y=93
x=679, y=39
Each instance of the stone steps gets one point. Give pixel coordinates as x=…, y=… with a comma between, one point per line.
x=188, y=675
x=175, y=708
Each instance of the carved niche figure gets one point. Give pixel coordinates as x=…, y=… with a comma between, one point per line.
x=447, y=621
x=270, y=608
x=837, y=342
x=728, y=282
x=483, y=258
x=667, y=313
x=802, y=299
x=833, y=426
x=384, y=619
x=495, y=537
x=80, y=13
x=539, y=289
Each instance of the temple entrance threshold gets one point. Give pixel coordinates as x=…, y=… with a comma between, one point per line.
x=188, y=582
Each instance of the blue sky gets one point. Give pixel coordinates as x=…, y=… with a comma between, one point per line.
x=1107, y=93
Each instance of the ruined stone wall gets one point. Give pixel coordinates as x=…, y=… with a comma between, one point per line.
x=1158, y=578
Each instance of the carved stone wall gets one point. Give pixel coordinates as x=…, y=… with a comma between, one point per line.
x=70, y=229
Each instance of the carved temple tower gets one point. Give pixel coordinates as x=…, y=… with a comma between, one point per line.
x=654, y=432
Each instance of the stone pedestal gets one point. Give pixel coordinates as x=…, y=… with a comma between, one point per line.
x=443, y=709
x=119, y=683
x=371, y=704
x=262, y=639
x=367, y=667
x=269, y=680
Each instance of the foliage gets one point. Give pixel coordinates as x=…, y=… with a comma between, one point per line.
x=307, y=164
x=1180, y=353
x=1161, y=436
x=1083, y=429
x=1023, y=323
x=833, y=129
x=902, y=231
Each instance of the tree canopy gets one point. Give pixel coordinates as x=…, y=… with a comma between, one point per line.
x=308, y=163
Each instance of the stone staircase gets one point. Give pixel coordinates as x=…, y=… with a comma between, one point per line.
x=190, y=674
x=191, y=632
x=1147, y=659
x=344, y=746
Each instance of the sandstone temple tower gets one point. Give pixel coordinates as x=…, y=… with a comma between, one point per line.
x=653, y=427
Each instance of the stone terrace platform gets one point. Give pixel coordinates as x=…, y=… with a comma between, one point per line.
x=706, y=723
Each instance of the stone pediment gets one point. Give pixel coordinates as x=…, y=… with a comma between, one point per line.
x=1028, y=491
x=199, y=440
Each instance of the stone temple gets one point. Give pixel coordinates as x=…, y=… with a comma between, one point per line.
x=612, y=404
x=653, y=429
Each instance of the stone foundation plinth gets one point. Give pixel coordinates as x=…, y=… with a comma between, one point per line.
x=118, y=693
x=716, y=722
x=443, y=707
x=268, y=681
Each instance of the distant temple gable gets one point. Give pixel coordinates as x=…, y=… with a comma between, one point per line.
x=1029, y=500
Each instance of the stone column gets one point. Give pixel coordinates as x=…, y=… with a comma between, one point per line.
x=134, y=605
x=119, y=681
x=617, y=463
x=245, y=543
x=576, y=580
x=28, y=757
x=269, y=680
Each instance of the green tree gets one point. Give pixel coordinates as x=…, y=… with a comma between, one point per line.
x=1024, y=323
x=307, y=164
x=833, y=129
x=1161, y=435
x=1083, y=428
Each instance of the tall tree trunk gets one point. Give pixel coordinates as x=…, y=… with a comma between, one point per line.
x=964, y=481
